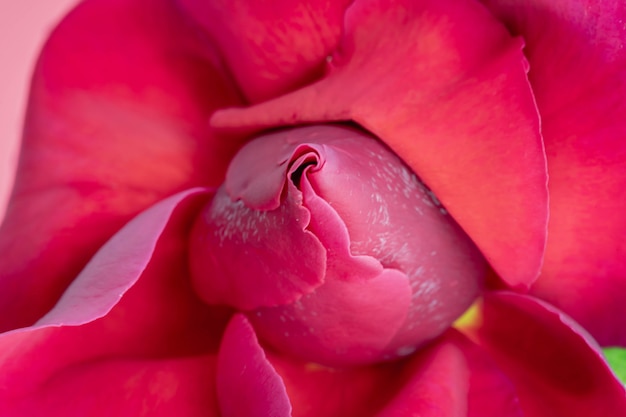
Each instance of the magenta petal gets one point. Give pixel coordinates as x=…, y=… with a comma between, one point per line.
x=454, y=378
x=124, y=388
x=580, y=92
x=271, y=47
x=247, y=383
x=491, y=392
x=557, y=368
x=116, y=121
x=233, y=263
x=316, y=390
x=341, y=322
x=444, y=85
x=436, y=386
x=132, y=303
x=98, y=288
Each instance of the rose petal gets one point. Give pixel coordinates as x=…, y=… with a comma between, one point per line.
x=133, y=302
x=236, y=258
x=271, y=47
x=124, y=388
x=437, y=385
x=580, y=93
x=369, y=213
x=453, y=377
x=557, y=368
x=247, y=383
x=443, y=84
x=491, y=393
x=116, y=121
x=316, y=390
x=340, y=323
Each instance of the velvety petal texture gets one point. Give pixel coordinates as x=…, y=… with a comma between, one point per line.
x=437, y=386
x=444, y=85
x=142, y=275
x=247, y=383
x=117, y=120
x=556, y=367
x=129, y=337
x=580, y=93
x=336, y=250
x=270, y=47
x=454, y=377
x=248, y=261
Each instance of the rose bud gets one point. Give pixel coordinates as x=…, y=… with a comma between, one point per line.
x=333, y=247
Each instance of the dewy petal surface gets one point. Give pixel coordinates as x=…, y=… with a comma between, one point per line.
x=444, y=85
x=578, y=71
x=271, y=47
x=129, y=335
x=558, y=370
x=116, y=121
x=335, y=245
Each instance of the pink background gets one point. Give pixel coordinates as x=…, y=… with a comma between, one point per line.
x=24, y=25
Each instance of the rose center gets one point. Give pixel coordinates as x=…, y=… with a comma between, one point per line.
x=334, y=248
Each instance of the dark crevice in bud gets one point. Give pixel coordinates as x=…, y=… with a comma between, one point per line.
x=334, y=248
x=296, y=175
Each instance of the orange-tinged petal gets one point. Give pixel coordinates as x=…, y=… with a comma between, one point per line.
x=117, y=120
x=270, y=47
x=578, y=72
x=557, y=369
x=129, y=336
x=444, y=85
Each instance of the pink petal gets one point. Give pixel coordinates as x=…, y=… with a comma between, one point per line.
x=455, y=377
x=557, y=368
x=116, y=122
x=580, y=93
x=391, y=217
x=340, y=323
x=436, y=386
x=316, y=390
x=302, y=208
x=247, y=383
x=124, y=388
x=271, y=47
x=252, y=382
x=237, y=259
x=131, y=303
x=444, y=85
x=491, y=393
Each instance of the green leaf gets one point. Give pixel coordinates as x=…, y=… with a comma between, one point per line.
x=616, y=357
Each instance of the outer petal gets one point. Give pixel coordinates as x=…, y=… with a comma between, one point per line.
x=444, y=85
x=254, y=382
x=557, y=368
x=114, y=342
x=455, y=378
x=437, y=386
x=491, y=392
x=271, y=47
x=247, y=383
x=117, y=121
x=580, y=92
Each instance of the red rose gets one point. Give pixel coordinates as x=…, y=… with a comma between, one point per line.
x=159, y=137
